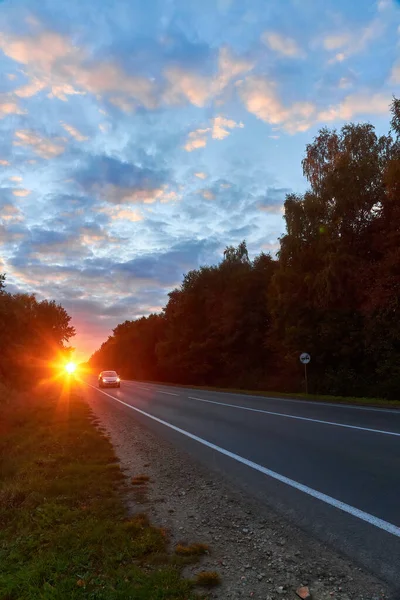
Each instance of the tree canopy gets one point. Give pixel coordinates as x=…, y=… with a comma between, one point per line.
x=32, y=334
x=333, y=290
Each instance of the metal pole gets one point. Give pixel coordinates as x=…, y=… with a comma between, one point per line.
x=305, y=372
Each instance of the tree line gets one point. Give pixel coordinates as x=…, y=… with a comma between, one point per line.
x=33, y=335
x=333, y=290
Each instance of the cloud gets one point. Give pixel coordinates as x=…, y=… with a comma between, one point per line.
x=47, y=246
x=219, y=129
x=74, y=132
x=45, y=55
x=120, y=182
x=197, y=139
x=273, y=199
x=44, y=147
x=221, y=126
x=53, y=62
x=184, y=85
x=108, y=78
x=207, y=194
x=201, y=175
x=199, y=89
x=283, y=45
x=261, y=99
x=71, y=245
x=168, y=267
x=12, y=234
x=4, y=163
x=126, y=214
x=230, y=68
x=15, y=178
x=43, y=50
x=357, y=104
x=10, y=213
x=9, y=107
x=121, y=213
x=108, y=278
x=349, y=42
x=30, y=89
x=21, y=193
x=92, y=234
x=129, y=195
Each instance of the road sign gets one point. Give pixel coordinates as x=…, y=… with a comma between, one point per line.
x=305, y=358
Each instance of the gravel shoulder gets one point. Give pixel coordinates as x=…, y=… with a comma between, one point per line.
x=256, y=552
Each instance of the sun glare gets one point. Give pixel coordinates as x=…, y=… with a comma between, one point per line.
x=70, y=367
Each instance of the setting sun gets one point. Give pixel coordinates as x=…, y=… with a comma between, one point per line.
x=70, y=367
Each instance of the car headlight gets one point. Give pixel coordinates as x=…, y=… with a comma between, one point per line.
x=118, y=379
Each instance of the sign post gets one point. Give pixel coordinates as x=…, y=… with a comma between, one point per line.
x=305, y=359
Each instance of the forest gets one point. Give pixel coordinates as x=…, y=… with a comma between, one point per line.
x=333, y=289
x=33, y=337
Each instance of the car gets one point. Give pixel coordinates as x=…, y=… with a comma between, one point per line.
x=109, y=379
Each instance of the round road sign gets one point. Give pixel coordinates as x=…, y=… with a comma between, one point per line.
x=305, y=358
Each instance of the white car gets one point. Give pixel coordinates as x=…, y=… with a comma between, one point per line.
x=109, y=379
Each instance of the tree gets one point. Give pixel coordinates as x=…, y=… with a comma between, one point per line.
x=237, y=255
x=31, y=334
x=333, y=291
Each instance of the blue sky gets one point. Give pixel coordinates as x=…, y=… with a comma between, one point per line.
x=138, y=139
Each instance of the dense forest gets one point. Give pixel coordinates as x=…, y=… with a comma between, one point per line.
x=32, y=336
x=332, y=291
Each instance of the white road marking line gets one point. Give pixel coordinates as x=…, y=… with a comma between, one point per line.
x=168, y=393
x=319, y=403
x=275, y=414
x=347, y=508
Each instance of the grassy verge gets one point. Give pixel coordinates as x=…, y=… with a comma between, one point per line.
x=64, y=532
x=380, y=402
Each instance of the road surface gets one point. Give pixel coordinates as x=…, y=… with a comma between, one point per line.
x=334, y=470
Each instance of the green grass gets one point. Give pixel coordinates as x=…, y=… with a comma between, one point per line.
x=311, y=397
x=64, y=533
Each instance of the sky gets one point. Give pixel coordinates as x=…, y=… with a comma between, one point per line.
x=139, y=139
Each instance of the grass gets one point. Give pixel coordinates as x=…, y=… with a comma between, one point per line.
x=140, y=480
x=192, y=550
x=64, y=532
x=381, y=402
x=207, y=579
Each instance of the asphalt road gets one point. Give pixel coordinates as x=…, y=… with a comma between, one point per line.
x=334, y=470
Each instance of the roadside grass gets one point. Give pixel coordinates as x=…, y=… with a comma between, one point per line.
x=140, y=480
x=192, y=550
x=207, y=579
x=64, y=532
x=380, y=402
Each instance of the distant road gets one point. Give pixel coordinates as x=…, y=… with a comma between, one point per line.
x=332, y=469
